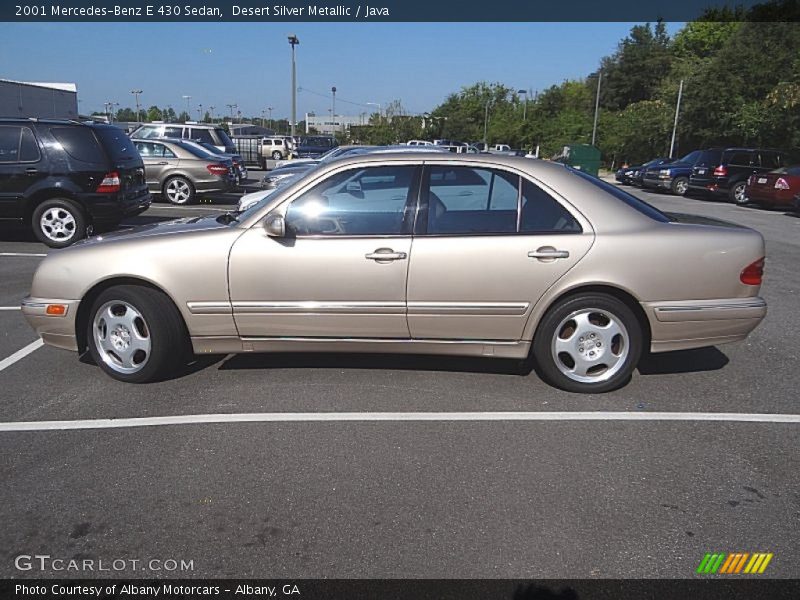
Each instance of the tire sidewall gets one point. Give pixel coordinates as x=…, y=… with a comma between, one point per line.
x=544, y=335
x=677, y=181
x=73, y=208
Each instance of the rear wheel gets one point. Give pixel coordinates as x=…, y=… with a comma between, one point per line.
x=179, y=190
x=589, y=344
x=680, y=185
x=136, y=334
x=738, y=193
x=277, y=155
x=58, y=222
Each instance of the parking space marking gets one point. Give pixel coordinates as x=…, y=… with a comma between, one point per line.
x=20, y=354
x=21, y=254
x=316, y=417
x=10, y=307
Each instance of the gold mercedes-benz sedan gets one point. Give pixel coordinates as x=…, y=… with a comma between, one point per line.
x=473, y=255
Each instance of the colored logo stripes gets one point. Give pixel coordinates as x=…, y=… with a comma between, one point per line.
x=734, y=562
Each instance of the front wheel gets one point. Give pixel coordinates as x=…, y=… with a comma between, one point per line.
x=58, y=222
x=136, y=334
x=589, y=344
x=680, y=186
x=277, y=155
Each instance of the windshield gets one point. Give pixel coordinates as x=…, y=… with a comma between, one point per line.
x=691, y=157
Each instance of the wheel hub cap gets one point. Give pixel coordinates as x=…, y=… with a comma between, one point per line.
x=121, y=337
x=58, y=224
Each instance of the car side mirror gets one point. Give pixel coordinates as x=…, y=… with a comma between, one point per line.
x=353, y=187
x=275, y=226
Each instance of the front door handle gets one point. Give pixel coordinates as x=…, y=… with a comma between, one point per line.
x=30, y=171
x=387, y=254
x=163, y=162
x=548, y=252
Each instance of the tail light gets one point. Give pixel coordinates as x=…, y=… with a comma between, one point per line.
x=110, y=183
x=781, y=184
x=216, y=169
x=753, y=273
x=721, y=171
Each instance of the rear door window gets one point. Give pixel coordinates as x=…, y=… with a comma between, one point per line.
x=28, y=148
x=116, y=143
x=9, y=144
x=201, y=135
x=173, y=132
x=541, y=213
x=80, y=143
x=739, y=159
x=770, y=160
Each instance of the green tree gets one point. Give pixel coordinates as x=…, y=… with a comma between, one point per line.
x=154, y=114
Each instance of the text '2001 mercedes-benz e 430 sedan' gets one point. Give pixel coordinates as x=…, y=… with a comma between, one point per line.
x=431, y=254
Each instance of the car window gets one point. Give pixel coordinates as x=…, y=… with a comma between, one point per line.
x=79, y=143
x=223, y=139
x=710, y=158
x=9, y=144
x=629, y=199
x=368, y=201
x=147, y=133
x=28, y=148
x=464, y=200
x=738, y=159
x=770, y=160
x=691, y=158
x=201, y=135
x=116, y=143
x=145, y=149
x=541, y=213
x=173, y=132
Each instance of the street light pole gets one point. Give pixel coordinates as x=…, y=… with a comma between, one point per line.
x=333, y=110
x=200, y=112
x=269, y=108
x=211, y=113
x=596, y=106
x=486, y=126
x=231, y=107
x=524, y=106
x=188, y=107
x=293, y=41
x=136, y=95
x=675, y=125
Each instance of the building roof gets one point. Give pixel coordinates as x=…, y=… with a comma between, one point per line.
x=64, y=87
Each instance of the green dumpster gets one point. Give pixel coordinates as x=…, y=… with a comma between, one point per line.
x=584, y=157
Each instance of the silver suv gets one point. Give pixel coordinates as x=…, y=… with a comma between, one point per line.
x=199, y=132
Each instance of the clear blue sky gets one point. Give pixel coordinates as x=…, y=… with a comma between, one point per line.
x=249, y=63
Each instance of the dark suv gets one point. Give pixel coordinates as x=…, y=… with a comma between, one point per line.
x=314, y=146
x=63, y=177
x=728, y=177
x=675, y=176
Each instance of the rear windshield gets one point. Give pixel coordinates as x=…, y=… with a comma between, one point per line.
x=116, y=143
x=198, y=152
x=710, y=158
x=794, y=171
x=629, y=199
x=80, y=144
x=691, y=157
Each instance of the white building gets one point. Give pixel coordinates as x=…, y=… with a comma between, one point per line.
x=330, y=125
x=36, y=99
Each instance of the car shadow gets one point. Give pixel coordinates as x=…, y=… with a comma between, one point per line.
x=388, y=362
x=536, y=591
x=683, y=361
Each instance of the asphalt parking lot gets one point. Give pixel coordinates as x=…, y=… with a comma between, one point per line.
x=448, y=498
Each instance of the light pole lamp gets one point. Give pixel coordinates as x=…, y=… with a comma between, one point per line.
x=136, y=95
x=293, y=41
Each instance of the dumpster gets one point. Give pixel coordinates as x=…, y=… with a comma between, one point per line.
x=584, y=157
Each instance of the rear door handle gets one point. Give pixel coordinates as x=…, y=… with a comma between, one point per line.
x=163, y=162
x=31, y=171
x=385, y=254
x=548, y=252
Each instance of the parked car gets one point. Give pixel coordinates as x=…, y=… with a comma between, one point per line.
x=275, y=148
x=674, y=176
x=727, y=177
x=239, y=166
x=312, y=146
x=634, y=175
x=418, y=143
x=62, y=178
x=351, y=257
x=199, y=132
x=178, y=171
x=776, y=188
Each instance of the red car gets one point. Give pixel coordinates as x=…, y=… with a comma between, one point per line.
x=776, y=188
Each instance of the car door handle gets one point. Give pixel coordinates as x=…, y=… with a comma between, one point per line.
x=548, y=252
x=163, y=162
x=385, y=254
x=31, y=171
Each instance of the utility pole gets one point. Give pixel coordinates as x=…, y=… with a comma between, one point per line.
x=293, y=41
x=136, y=95
x=675, y=125
x=596, y=106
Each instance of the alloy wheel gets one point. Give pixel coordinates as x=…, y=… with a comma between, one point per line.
x=58, y=224
x=122, y=337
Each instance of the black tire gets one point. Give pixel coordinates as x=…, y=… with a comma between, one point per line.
x=679, y=186
x=277, y=155
x=544, y=339
x=67, y=223
x=179, y=181
x=737, y=193
x=163, y=324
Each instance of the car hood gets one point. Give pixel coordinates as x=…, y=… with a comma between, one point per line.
x=176, y=227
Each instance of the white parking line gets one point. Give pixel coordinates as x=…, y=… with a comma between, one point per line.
x=20, y=254
x=9, y=307
x=20, y=354
x=310, y=417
